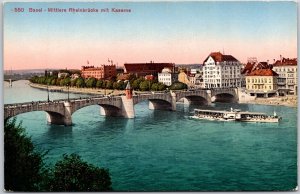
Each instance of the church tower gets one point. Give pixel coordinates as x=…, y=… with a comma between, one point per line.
x=128, y=91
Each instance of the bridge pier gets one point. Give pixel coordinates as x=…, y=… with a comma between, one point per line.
x=173, y=95
x=208, y=98
x=59, y=119
x=127, y=107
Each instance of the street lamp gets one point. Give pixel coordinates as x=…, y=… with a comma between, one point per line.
x=68, y=92
x=48, y=92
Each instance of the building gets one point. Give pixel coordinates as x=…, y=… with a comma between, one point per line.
x=196, y=77
x=167, y=77
x=143, y=69
x=262, y=83
x=287, y=70
x=75, y=76
x=184, y=78
x=252, y=65
x=221, y=71
x=102, y=72
x=149, y=77
x=62, y=74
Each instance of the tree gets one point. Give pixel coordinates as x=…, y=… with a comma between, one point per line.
x=80, y=82
x=161, y=86
x=109, y=84
x=24, y=169
x=178, y=86
x=144, y=85
x=154, y=86
x=99, y=83
x=73, y=174
x=23, y=165
x=73, y=82
x=91, y=82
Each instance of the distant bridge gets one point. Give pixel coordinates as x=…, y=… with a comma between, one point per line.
x=60, y=111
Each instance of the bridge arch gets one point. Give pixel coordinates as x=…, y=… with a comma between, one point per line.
x=194, y=99
x=160, y=101
x=224, y=97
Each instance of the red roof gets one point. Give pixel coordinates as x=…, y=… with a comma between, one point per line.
x=248, y=68
x=255, y=66
x=149, y=77
x=263, y=72
x=219, y=57
x=286, y=62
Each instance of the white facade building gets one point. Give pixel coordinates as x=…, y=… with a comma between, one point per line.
x=167, y=77
x=287, y=71
x=221, y=71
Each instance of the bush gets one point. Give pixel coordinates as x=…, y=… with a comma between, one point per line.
x=24, y=169
x=73, y=174
x=178, y=86
x=23, y=165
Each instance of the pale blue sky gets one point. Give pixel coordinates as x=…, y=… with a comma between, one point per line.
x=223, y=23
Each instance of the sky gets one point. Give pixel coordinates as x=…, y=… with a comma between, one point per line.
x=176, y=32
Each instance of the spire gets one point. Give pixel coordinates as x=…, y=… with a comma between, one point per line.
x=128, y=87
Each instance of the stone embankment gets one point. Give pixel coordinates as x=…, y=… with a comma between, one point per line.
x=279, y=101
x=92, y=91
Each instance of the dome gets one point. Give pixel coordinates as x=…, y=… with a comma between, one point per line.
x=166, y=70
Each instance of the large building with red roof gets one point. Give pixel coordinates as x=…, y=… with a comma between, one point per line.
x=102, y=72
x=287, y=70
x=221, y=71
x=143, y=69
x=262, y=82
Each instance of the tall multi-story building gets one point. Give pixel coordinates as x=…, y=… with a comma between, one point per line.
x=262, y=82
x=143, y=69
x=221, y=71
x=167, y=77
x=102, y=72
x=287, y=71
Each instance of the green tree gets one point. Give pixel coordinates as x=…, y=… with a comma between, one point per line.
x=23, y=165
x=154, y=86
x=73, y=82
x=91, y=82
x=178, y=86
x=99, y=83
x=144, y=85
x=67, y=81
x=80, y=82
x=73, y=174
x=135, y=84
x=161, y=86
x=24, y=169
x=109, y=84
x=119, y=85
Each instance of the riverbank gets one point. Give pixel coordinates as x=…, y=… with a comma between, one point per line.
x=290, y=101
x=75, y=90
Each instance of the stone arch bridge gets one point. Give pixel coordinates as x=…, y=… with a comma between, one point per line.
x=60, y=111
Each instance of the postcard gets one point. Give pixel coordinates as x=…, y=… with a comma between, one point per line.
x=150, y=96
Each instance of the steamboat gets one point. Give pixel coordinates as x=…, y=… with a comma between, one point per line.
x=236, y=115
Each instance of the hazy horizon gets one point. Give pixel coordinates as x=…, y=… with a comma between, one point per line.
x=176, y=32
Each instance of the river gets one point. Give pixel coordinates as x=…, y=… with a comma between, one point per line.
x=169, y=151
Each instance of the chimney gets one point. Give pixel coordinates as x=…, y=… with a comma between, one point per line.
x=281, y=58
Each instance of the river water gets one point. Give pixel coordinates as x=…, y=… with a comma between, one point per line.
x=169, y=151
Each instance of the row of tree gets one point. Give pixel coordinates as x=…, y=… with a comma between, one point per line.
x=138, y=84
x=25, y=170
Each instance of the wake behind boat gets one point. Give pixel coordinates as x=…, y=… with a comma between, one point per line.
x=235, y=115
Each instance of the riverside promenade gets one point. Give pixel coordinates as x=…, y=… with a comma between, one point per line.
x=92, y=91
